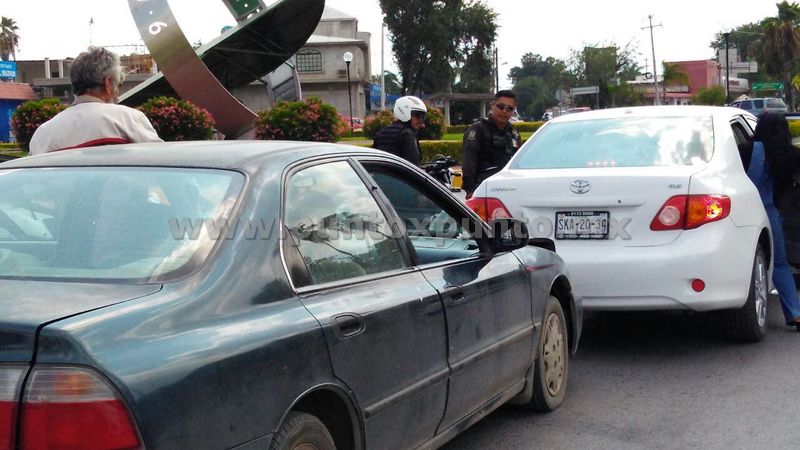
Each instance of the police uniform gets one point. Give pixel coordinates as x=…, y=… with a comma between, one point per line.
x=486, y=149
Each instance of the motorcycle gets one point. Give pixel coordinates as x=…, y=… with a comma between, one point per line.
x=440, y=169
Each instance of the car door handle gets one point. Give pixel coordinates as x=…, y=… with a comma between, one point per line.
x=454, y=295
x=348, y=325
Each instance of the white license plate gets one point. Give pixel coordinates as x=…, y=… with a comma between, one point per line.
x=582, y=225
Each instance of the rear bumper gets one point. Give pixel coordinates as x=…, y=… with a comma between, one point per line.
x=660, y=278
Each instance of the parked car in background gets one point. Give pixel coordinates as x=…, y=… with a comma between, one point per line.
x=650, y=208
x=264, y=295
x=756, y=106
x=358, y=122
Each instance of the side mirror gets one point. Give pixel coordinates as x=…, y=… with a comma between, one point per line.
x=544, y=243
x=509, y=234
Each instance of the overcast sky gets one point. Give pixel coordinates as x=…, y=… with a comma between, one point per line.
x=60, y=29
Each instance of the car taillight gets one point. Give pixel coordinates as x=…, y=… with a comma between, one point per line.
x=685, y=212
x=74, y=408
x=10, y=378
x=489, y=208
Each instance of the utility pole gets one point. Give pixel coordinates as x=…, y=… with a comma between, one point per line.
x=727, y=70
x=496, y=72
x=653, y=48
x=383, y=71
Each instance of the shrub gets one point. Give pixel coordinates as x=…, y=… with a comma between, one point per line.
x=522, y=127
x=306, y=120
x=376, y=122
x=30, y=115
x=434, y=123
x=447, y=148
x=178, y=120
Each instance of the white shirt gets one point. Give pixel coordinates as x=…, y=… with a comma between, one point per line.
x=90, y=122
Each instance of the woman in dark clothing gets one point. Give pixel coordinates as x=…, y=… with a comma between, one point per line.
x=772, y=163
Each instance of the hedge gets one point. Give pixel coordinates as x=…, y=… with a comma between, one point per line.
x=520, y=126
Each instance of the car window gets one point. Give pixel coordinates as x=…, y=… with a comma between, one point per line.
x=437, y=231
x=619, y=142
x=775, y=103
x=746, y=104
x=337, y=226
x=111, y=223
x=758, y=104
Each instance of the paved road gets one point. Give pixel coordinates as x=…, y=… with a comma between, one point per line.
x=648, y=380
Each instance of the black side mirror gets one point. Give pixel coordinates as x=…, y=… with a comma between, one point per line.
x=544, y=243
x=509, y=234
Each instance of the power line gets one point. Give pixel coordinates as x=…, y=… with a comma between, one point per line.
x=653, y=48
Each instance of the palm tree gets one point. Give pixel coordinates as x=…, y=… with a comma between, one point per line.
x=673, y=75
x=9, y=38
x=780, y=45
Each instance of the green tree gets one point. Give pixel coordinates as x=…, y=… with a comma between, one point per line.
x=744, y=38
x=433, y=42
x=602, y=65
x=390, y=81
x=9, y=38
x=535, y=81
x=780, y=46
x=714, y=95
x=673, y=76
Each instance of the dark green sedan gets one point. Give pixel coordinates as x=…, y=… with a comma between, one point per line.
x=280, y=295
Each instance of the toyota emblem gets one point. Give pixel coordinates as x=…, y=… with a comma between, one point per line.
x=580, y=186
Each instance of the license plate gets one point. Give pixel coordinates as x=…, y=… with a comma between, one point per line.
x=581, y=225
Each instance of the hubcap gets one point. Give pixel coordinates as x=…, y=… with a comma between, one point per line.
x=553, y=356
x=305, y=446
x=760, y=290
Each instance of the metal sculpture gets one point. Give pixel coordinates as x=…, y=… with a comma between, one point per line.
x=264, y=39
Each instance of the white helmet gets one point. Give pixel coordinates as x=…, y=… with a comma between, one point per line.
x=404, y=106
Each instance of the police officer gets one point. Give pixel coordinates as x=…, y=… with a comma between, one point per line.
x=490, y=142
x=400, y=138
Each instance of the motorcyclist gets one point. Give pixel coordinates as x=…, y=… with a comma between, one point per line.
x=400, y=138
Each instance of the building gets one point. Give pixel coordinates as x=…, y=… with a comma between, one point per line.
x=11, y=96
x=323, y=71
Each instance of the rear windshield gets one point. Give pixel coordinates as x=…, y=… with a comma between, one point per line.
x=775, y=103
x=109, y=223
x=619, y=142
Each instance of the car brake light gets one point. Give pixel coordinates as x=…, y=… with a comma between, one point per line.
x=489, y=208
x=74, y=408
x=685, y=212
x=10, y=378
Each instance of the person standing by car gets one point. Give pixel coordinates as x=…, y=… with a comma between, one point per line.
x=490, y=142
x=400, y=138
x=771, y=164
x=94, y=118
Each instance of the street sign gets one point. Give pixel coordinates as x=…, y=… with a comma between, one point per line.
x=561, y=95
x=584, y=90
x=767, y=86
x=8, y=70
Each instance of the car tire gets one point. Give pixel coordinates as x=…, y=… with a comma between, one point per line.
x=552, y=363
x=302, y=431
x=749, y=323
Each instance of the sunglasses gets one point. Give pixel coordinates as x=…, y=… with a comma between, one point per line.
x=506, y=108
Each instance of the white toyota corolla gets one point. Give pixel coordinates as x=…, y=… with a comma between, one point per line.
x=650, y=207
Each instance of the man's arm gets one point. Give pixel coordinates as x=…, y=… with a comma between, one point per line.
x=409, y=150
x=470, y=149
